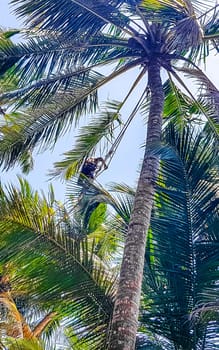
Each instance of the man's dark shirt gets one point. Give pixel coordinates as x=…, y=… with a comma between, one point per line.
x=88, y=169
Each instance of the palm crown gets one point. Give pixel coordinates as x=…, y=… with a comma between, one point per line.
x=58, y=67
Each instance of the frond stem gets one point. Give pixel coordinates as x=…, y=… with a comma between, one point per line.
x=205, y=13
x=103, y=18
x=115, y=145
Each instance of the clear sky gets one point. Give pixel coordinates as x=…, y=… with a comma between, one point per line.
x=125, y=164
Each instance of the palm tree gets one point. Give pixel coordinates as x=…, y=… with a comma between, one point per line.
x=58, y=71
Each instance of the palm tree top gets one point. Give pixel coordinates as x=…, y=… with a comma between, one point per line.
x=53, y=77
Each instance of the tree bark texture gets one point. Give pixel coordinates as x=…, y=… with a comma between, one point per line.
x=14, y=327
x=17, y=326
x=125, y=316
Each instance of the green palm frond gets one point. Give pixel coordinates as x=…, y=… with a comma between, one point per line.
x=208, y=91
x=170, y=10
x=195, y=24
x=47, y=123
x=122, y=203
x=92, y=195
x=210, y=25
x=22, y=344
x=48, y=65
x=44, y=90
x=5, y=43
x=178, y=107
x=107, y=238
x=78, y=18
x=210, y=339
x=51, y=63
x=144, y=342
x=7, y=34
x=26, y=161
x=60, y=273
x=182, y=267
x=204, y=108
x=104, y=233
x=44, y=126
x=39, y=55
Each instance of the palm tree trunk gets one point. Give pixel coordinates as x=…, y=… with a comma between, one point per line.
x=125, y=316
x=14, y=328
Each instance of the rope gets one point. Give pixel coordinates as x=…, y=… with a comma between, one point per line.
x=117, y=141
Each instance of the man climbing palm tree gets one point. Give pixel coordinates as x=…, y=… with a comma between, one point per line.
x=92, y=166
x=58, y=74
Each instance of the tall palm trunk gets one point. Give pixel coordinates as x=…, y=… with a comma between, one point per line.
x=125, y=316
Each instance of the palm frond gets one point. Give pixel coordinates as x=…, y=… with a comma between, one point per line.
x=208, y=90
x=186, y=31
x=207, y=113
x=183, y=221
x=179, y=108
x=92, y=194
x=75, y=17
x=5, y=42
x=46, y=124
x=210, y=43
x=23, y=344
x=52, y=62
x=210, y=338
x=26, y=162
x=60, y=273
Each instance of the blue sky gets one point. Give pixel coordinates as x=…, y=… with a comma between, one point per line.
x=124, y=166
